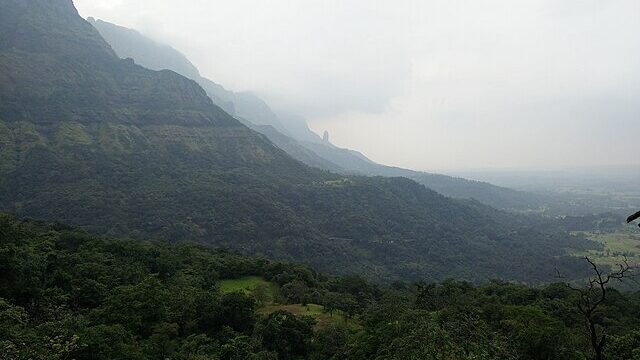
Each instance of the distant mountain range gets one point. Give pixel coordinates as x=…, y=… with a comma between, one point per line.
x=294, y=136
x=96, y=141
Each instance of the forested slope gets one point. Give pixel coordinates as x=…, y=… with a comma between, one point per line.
x=65, y=294
x=98, y=142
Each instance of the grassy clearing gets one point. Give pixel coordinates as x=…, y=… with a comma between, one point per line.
x=259, y=287
x=315, y=311
x=254, y=285
x=616, y=247
x=312, y=310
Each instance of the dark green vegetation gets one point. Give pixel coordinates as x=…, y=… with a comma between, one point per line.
x=67, y=295
x=95, y=141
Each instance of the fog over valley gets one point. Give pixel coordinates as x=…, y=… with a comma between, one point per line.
x=426, y=85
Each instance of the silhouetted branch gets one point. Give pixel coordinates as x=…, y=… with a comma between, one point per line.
x=593, y=295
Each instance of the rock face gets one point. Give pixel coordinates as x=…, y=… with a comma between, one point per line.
x=325, y=137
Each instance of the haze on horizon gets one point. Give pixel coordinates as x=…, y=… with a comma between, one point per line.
x=538, y=84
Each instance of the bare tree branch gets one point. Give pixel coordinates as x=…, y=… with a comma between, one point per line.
x=592, y=296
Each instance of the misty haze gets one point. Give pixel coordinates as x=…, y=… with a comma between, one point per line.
x=319, y=179
x=424, y=84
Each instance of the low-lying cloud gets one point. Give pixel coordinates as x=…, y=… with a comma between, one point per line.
x=425, y=84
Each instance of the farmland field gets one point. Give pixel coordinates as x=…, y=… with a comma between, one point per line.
x=263, y=290
x=616, y=246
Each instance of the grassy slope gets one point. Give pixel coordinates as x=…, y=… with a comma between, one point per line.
x=248, y=284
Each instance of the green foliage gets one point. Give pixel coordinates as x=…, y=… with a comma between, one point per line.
x=286, y=334
x=226, y=188
x=66, y=294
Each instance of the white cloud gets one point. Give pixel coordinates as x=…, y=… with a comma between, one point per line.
x=425, y=84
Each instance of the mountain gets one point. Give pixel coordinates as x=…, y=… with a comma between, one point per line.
x=99, y=142
x=156, y=56
x=293, y=148
x=292, y=134
x=486, y=193
x=129, y=43
x=67, y=72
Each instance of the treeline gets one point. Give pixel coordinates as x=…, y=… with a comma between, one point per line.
x=65, y=294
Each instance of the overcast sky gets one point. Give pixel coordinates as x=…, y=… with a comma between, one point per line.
x=425, y=84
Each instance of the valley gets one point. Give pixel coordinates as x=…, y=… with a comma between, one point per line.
x=616, y=246
x=162, y=161
x=148, y=212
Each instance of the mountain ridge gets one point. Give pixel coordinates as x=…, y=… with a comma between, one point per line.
x=74, y=74
x=196, y=173
x=301, y=145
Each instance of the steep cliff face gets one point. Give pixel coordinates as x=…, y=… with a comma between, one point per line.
x=52, y=27
x=55, y=66
x=128, y=43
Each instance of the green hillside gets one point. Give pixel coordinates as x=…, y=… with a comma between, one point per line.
x=95, y=141
x=65, y=294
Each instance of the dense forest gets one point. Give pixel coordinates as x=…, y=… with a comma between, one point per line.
x=65, y=294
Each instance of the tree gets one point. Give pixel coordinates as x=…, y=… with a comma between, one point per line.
x=162, y=339
x=286, y=334
x=592, y=296
x=137, y=307
x=331, y=302
x=349, y=306
x=238, y=348
x=261, y=294
x=238, y=311
x=295, y=291
x=329, y=340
